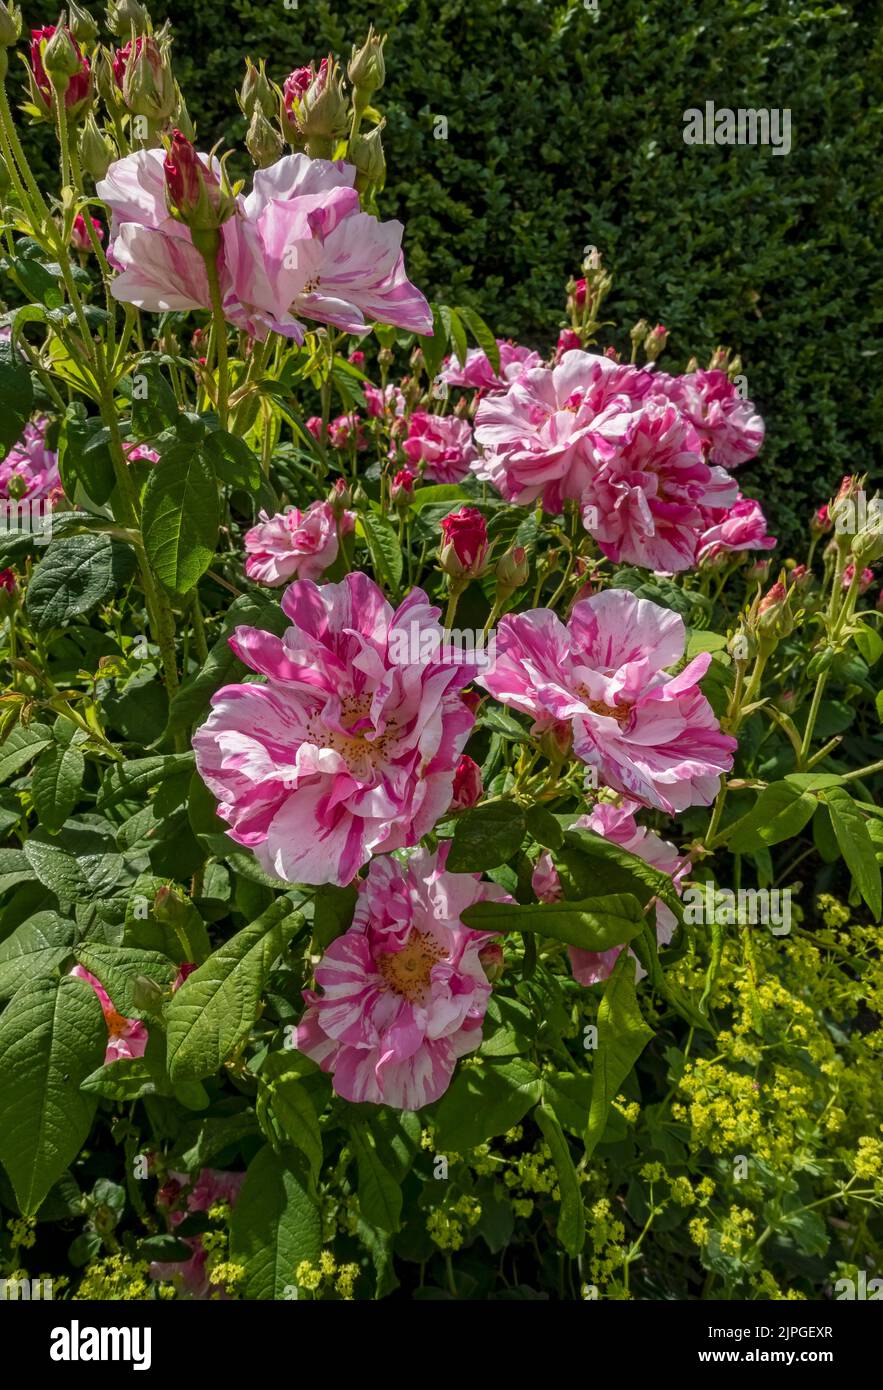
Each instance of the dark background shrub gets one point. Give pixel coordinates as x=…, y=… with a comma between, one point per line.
x=566, y=128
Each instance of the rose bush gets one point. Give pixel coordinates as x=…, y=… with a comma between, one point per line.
x=439, y=838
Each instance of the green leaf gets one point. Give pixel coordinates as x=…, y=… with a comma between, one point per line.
x=180, y=519
x=486, y=836
x=380, y=1194
x=433, y=347
x=455, y=331
x=234, y=463
x=856, y=845
x=130, y=781
x=333, y=912
x=779, y=813
x=16, y=397
x=482, y=335
x=386, y=552
x=84, y=454
x=80, y=863
x=485, y=1099
x=289, y=1102
x=56, y=784
x=544, y=827
x=622, y=1037
x=132, y=1078
x=38, y=947
x=437, y=493
x=593, y=924
x=571, y=1229
x=52, y=1036
x=275, y=1225
x=622, y=871
x=21, y=745
x=213, y=1011
x=76, y=574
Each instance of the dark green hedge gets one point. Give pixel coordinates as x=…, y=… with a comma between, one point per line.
x=567, y=128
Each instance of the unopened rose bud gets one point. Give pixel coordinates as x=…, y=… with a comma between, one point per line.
x=493, y=962
x=464, y=546
x=81, y=24
x=10, y=25
x=692, y=365
x=366, y=69
x=58, y=63
x=513, y=571
x=195, y=193
x=467, y=787
x=578, y=293
x=402, y=489
x=774, y=617
x=170, y=906
x=568, y=341
x=821, y=522
x=865, y=578
x=314, y=108
x=366, y=153
x=123, y=14
x=720, y=359
x=340, y=498
x=263, y=141
x=80, y=238
x=655, y=342
x=472, y=699
x=638, y=332
x=96, y=150
x=758, y=571
x=556, y=741
x=144, y=76
x=256, y=92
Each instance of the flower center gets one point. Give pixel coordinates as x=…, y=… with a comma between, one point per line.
x=407, y=972
x=116, y=1024
x=312, y=285
x=618, y=712
x=360, y=753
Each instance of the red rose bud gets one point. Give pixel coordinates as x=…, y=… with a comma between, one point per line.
x=314, y=108
x=464, y=548
x=467, y=785
x=655, y=341
x=357, y=358
x=7, y=581
x=56, y=58
x=568, y=341
x=80, y=238
x=774, y=617
x=821, y=522
x=472, y=700
x=866, y=578
x=579, y=294
x=402, y=488
x=195, y=194
x=492, y=960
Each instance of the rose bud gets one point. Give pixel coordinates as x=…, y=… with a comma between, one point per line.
x=568, y=341
x=263, y=141
x=256, y=92
x=144, y=76
x=472, y=700
x=402, y=489
x=194, y=192
x=467, y=785
x=464, y=547
x=366, y=69
x=866, y=578
x=81, y=24
x=512, y=572
x=655, y=342
x=821, y=522
x=97, y=150
x=123, y=14
x=10, y=25
x=57, y=61
x=80, y=238
x=492, y=961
